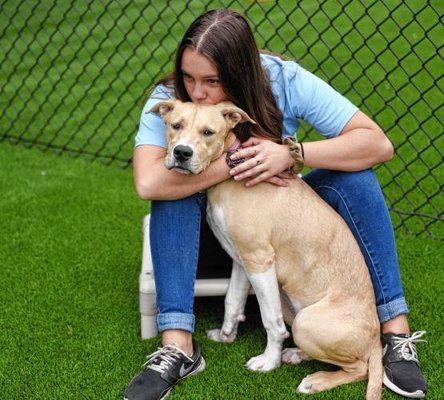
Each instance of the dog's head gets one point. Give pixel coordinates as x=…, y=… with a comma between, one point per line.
x=198, y=133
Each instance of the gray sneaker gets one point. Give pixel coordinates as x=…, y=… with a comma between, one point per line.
x=162, y=370
x=401, y=365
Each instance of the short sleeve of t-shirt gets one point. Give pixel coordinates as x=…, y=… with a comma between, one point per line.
x=302, y=95
x=151, y=126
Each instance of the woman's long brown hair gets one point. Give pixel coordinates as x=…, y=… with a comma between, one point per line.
x=225, y=38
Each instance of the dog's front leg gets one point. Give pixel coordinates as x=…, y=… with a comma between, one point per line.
x=235, y=300
x=266, y=288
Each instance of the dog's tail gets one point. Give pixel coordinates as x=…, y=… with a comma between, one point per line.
x=375, y=371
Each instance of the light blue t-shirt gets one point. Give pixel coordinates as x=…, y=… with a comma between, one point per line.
x=299, y=94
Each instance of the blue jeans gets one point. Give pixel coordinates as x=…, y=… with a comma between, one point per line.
x=176, y=234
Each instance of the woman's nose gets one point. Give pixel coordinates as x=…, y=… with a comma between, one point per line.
x=198, y=92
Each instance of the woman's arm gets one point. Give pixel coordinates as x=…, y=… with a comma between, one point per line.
x=360, y=145
x=154, y=182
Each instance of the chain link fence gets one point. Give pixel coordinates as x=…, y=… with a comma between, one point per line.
x=74, y=74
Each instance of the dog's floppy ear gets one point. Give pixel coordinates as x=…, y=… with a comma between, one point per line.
x=234, y=115
x=162, y=108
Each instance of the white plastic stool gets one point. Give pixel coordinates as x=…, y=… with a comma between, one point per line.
x=147, y=289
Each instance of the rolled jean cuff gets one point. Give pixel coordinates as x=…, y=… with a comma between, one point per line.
x=392, y=309
x=181, y=321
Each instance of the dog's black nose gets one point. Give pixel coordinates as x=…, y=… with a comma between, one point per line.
x=182, y=153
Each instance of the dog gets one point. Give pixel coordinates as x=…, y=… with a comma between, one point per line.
x=297, y=253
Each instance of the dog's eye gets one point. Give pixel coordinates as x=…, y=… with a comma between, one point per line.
x=176, y=126
x=208, y=132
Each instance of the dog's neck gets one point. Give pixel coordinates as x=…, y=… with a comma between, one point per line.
x=235, y=146
x=232, y=143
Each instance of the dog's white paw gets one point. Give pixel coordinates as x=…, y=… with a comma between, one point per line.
x=305, y=386
x=218, y=335
x=262, y=363
x=291, y=356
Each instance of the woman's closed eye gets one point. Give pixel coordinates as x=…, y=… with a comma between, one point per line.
x=213, y=82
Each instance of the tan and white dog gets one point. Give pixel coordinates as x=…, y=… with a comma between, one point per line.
x=298, y=254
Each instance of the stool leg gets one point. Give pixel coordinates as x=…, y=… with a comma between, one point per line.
x=147, y=288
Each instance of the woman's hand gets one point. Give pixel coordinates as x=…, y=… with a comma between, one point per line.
x=360, y=145
x=265, y=161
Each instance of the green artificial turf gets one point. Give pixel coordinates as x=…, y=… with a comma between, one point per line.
x=70, y=253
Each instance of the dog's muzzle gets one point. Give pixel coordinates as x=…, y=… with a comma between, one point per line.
x=182, y=153
x=180, y=159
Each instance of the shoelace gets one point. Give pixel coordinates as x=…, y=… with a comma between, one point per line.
x=164, y=357
x=407, y=347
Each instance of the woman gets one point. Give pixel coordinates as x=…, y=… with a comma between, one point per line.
x=218, y=60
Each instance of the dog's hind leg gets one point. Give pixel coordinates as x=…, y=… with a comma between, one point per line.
x=266, y=288
x=335, y=334
x=294, y=356
x=235, y=300
x=291, y=355
x=324, y=380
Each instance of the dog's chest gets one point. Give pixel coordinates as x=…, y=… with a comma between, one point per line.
x=217, y=222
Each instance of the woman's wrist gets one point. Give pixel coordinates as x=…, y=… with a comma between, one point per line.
x=296, y=152
x=302, y=150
